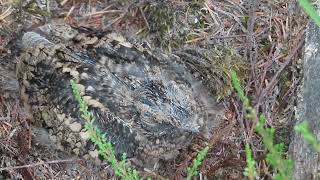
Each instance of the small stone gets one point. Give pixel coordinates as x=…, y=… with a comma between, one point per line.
x=81, y=88
x=75, y=127
x=61, y=117
x=67, y=121
x=86, y=156
x=84, y=135
x=95, y=103
x=94, y=153
x=78, y=144
x=90, y=88
x=84, y=76
x=76, y=151
x=66, y=69
x=86, y=98
x=74, y=74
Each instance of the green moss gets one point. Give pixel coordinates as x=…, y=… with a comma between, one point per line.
x=284, y=82
x=222, y=60
x=171, y=25
x=285, y=49
x=244, y=20
x=34, y=9
x=161, y=19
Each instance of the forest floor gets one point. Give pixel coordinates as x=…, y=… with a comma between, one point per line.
x=264, y=37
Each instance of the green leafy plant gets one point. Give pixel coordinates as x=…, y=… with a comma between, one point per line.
x=250, y=170
x=275, y=154
x=192, y=171
x=308, y=8
x=105, y=148
x=303, y=128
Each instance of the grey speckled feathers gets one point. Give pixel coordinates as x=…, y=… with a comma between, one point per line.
x=146, y=102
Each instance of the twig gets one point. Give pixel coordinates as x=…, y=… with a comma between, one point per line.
x=120, y=17
x=64, y=2
x=216, y=37
x=70, y=11
x=241, y=119
x=237, y=6
x=10, y=150
x=250, y=41
x=212, y=15
x=252, y=56
x=38, y=164
x=103, y=12
x=236, y=18
x=269, y=58
x=221, y=133
x=144, y=18
x=283, y=66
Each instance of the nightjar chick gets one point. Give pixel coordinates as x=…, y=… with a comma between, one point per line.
x=148, y=103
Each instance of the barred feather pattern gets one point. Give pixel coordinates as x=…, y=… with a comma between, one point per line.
x=148, y=103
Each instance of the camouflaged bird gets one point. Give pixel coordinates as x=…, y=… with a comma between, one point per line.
x=148, y=104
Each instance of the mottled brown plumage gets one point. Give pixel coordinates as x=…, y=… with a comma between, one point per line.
x=148, y=104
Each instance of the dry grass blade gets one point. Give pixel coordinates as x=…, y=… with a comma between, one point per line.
x=6, y=13
x=64, y=2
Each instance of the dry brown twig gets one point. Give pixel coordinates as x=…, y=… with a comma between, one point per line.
x=70, y=12
x=102, y=12
x=38, y=164
x=251, y=58
x=144, y=18
x=275, y=78
x=122, y=15
x=215, y=37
